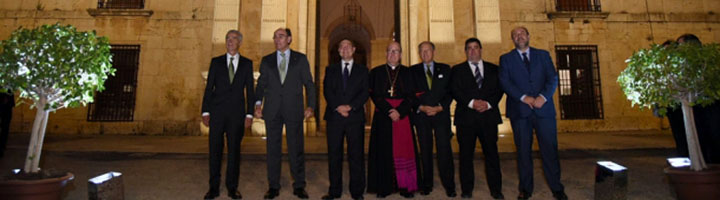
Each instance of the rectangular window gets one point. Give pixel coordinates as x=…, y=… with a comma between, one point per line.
x=579, y=82
x=121, y=4
x=578, y=5
x=117, y=101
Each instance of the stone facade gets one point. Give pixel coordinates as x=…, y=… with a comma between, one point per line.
x=178, y=38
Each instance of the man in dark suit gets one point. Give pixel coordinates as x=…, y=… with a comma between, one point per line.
x=346, y=90
x=7, y=102
x=528, y=77
x=476, y=89
x=432, y=89
x=283, y=74
x=226, y=102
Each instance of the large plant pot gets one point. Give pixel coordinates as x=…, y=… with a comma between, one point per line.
x=690, y=184
x=50, y=189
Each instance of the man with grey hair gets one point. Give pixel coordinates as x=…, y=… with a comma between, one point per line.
x=224, y=99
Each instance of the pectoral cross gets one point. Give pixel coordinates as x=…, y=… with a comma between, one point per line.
x=391, y=91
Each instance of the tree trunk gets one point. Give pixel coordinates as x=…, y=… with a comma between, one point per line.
x=697, y=162
x=35, y=146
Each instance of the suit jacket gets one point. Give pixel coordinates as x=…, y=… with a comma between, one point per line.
x=517, y=81
x=7, y=99
x=464, y=88
x=355, y=95
x=221, y=96
x=286, y=98
x=440, y=92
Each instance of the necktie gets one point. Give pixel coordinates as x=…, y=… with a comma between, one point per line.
x=231, y=69
x=478, y=76
x=526, y=61
x=283, y=68
x=345, y=75
x=428, y=77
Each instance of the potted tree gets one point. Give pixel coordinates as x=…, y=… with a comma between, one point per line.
x=54, y=66
x=679, y=75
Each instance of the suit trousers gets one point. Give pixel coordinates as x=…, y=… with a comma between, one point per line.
x=488, y=136
x=446, y=168
x=5, y=117
x=295, y=147
x=232, y=127
x=546, y=132
x=355, y=134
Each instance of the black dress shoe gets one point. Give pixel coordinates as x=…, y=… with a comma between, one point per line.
x=381, y=196
x=524, y=195
x=451, y=193
x=466, y=195
x=358, y=197
x=330, y=197
x=300, y=193
x=560, y=195
x=497, y=195
x=211, y=194
x=425, y=192
x=407, y=195
x=234, y=195
x=271, y=193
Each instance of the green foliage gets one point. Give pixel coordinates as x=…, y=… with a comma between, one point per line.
x=55, y=65
x=663, y=77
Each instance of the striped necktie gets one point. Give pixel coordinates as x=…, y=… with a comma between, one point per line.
x=478, y=76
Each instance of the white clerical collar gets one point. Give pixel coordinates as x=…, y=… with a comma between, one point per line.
x=392, y=67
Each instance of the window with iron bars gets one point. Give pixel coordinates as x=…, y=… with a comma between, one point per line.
x=579, y=82
x=578, y=5
x=121, y=4
x=117, y=101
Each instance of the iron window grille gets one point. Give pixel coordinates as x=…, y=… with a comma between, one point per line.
x=578, y=5
x=579, y=82
x=117, y=101
x=121, y=4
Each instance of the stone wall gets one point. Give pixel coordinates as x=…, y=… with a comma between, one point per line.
x=176, y=47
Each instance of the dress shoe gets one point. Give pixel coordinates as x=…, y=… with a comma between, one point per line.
x=358, y=197
x=211, y=194
x=271, y=193
x=497, y=195
x=330, y=197
x=234, y=195
x=524, y=195
x=451, y=193
x=300, y=193
x=407, y=195
x=466, y=195
x=425, y=192
x=381, y=196
x=560, y=195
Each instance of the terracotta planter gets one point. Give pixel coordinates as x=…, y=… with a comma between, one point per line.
x=34, y=189
x=690, y=184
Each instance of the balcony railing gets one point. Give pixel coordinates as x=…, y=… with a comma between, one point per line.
x=578, y=5
x=121, y=4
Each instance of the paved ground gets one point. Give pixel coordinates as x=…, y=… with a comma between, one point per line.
x=176, y=167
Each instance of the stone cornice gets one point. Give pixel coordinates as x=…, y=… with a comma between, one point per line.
x=119, y=12
x=577, y=14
